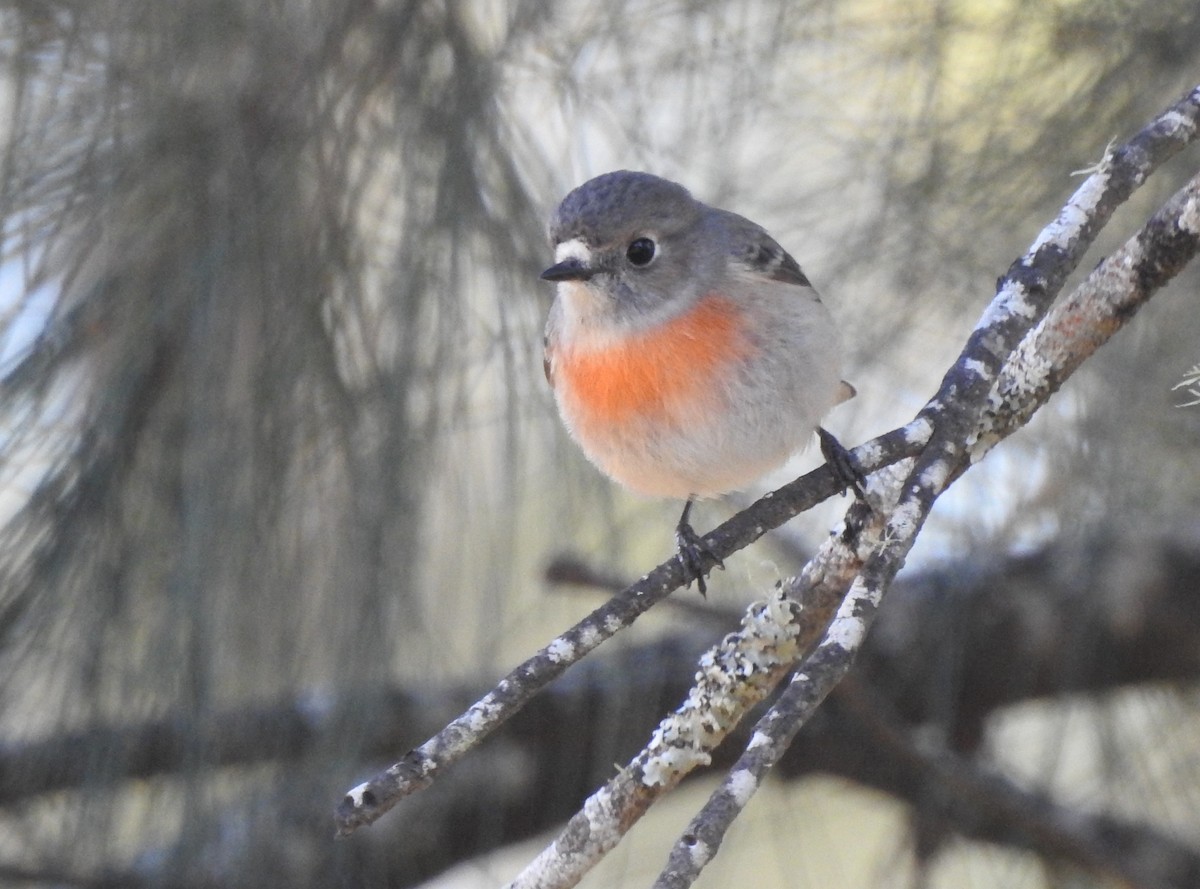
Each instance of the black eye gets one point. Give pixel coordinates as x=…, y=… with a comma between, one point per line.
x=640, y=251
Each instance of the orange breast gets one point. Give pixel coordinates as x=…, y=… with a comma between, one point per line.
x=659, y=375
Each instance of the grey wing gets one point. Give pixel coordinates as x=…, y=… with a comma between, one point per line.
x=760, y=254
x=754, y=248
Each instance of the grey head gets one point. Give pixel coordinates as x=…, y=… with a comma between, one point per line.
x=646, y=243
x=641, y=240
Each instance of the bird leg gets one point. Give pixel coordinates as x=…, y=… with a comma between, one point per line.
x=693, y=552
x=842, y=464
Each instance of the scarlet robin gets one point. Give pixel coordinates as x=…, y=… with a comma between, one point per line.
x=688, y=352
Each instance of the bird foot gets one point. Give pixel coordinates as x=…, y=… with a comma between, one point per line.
x=694, y=555
x=842, y=464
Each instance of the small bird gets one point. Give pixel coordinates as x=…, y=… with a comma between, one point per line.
x=688, y=353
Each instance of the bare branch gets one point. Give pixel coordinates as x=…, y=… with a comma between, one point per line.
x=734, y=676
x=367, y=802
x=957, y=411
x=978, y=642
x=1104, y=303
x=977, y=800
x=948, y=423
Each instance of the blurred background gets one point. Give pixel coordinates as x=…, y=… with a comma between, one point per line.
x=283, y=488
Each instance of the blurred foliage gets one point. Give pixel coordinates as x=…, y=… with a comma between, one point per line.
x=271, y=408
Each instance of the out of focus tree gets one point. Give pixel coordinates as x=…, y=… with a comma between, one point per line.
x=280, y=471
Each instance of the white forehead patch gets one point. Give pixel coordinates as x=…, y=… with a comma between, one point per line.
x=572, y=249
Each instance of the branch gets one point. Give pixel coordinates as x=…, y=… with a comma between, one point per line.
x=974, y=799
x=992, y=660
x=735, y=676
x=365, y=803
x=959, y=413
x=1106, y=300
x=947, y=424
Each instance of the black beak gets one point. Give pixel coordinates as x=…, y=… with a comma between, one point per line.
x=568, y=270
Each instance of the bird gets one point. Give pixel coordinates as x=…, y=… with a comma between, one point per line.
x=688, y=352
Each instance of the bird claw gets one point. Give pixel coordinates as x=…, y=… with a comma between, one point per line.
x=694, y=555
x=842, y=464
